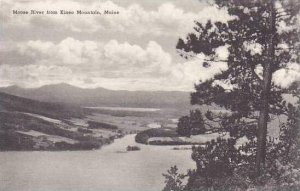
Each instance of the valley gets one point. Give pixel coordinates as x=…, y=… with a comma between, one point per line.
x=27, y=124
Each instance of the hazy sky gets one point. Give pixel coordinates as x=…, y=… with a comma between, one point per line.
x=133, y=50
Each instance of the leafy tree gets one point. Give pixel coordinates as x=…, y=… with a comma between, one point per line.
x=262, y=35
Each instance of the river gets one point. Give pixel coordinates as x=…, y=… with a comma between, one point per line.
x=109, y=169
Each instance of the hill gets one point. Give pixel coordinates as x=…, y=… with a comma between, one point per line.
x=55, y=110
x=65, y=93
x=27, y=124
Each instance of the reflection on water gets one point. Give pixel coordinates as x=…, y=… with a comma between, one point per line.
x=109, y=169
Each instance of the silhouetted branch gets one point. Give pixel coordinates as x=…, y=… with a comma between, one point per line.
x=215, y=60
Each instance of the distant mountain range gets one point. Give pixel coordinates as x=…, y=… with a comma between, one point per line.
x=65, y=93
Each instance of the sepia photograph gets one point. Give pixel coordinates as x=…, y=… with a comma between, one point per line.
x=149, y=95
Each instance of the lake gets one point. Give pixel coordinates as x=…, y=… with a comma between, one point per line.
x=137, y=109
x=109, y=169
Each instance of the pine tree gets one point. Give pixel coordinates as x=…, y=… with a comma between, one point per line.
x=184, y=127
x=262, y=35
x=174, y=180
x=197, y=122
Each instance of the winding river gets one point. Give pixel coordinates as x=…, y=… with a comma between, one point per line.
x=109, y=169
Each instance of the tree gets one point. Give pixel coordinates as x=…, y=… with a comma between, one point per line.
x=174, y=180
x=183, y=126
x=197, y=122
x=284, y=156
x=191, y=125
x=260, y=36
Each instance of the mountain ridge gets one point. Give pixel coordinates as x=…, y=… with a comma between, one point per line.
x=66, y=93
x=13, y=103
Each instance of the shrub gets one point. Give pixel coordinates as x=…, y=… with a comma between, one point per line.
x=133, y=148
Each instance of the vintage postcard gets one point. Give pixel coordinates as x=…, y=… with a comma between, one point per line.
x=148, y=95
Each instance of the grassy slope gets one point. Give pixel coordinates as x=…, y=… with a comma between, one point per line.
x=14, y=103
x=13, y=119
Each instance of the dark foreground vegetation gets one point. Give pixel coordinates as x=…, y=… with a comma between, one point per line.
x=259, y=162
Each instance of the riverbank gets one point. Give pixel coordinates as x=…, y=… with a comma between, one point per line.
x=169, y=136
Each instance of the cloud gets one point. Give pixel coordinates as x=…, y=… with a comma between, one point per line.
x=222, y=52
x=286, y=76
x=33, y=75
x=76, y=61
x=134, y=52
x=165, y=20
x=283, y=77
x=112, y=59
x=194, y=70
x=114, y=65
x=253, y=47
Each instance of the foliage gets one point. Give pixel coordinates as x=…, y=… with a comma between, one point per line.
x=255, y=40
x=283, y=164
x=197, y=122
x=143, y=136
x=192, y=124
x=174, y=180
x=183, y=126
x=133, y=148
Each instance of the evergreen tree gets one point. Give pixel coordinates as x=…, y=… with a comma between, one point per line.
x=197, y=122
x=262, y=35
x=183, y=126
x=174, y=180
x=193, y=124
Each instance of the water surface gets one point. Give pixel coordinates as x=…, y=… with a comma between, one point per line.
x=108, y=169
x=138, y=109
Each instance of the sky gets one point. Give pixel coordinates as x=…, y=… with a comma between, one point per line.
x=132, y=50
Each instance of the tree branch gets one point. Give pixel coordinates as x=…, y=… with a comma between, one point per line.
x=256, y=76
x=215, y=60
x=290, y=48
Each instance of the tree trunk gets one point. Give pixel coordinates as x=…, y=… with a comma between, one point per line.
x=266, y=87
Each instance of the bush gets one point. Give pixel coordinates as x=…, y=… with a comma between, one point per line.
x=133, y=148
